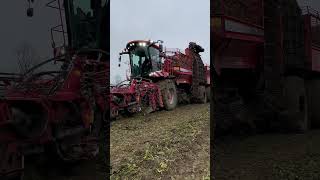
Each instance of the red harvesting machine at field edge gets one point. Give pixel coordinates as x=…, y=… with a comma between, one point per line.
x=266, y=65
x=160, y=78
x=60, y=104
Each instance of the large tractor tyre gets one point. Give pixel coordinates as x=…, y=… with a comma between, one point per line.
x=313, y=89
x=294, y=92
x=114, y=113
x=208, y=91
x=202, y=95
x=71, y=148
x=169, y=94
x=232, y=114
x=222, y=114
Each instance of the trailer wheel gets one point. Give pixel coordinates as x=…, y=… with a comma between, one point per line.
x=296, y=103
x=169, y=94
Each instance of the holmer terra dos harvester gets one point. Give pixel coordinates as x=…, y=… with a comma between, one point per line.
x=59, y=105
x=160, y=78
x=266, y=66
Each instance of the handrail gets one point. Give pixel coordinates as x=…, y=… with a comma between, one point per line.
x=59, y=28
x=244, y=22
x=221, y=12
x=307, y=10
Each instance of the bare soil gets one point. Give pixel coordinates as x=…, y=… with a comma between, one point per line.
x=44, y=168
x=162, y=145
x=268, y=157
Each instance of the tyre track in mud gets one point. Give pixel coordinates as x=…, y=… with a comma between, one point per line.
x=163, y=145
x=268, y=157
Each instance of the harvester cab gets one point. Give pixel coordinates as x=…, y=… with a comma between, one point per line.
x=144, y=56
x=81, y=34
x=81, y=25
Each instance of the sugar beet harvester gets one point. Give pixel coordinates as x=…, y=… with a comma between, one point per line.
x=266, y=65
x=160, y=79
x=59, y=105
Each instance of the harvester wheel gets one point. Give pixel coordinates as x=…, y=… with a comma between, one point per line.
x=202, y=95
x=313, y=89
x=296, y=103
x=114, y=113
x=83, y=148
x=169, y=94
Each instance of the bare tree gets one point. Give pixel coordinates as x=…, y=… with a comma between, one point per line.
x=26, y=56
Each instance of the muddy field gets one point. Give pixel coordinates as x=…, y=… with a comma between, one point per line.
x=44, y=168
x=268, y=157
x=162, y=145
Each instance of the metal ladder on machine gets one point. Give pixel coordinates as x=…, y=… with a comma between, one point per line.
x=281, y=44
x=60, y=28
x=271, y=85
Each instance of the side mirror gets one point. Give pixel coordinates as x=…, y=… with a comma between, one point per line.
x=161, y=47
x=30, y=12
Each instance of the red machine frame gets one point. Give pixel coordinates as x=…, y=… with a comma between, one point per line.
x=244, y=43
x=312, y=49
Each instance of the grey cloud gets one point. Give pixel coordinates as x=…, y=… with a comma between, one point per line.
x=17, y=27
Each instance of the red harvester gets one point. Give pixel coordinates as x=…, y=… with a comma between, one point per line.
x=60, y=104
x=160, y=78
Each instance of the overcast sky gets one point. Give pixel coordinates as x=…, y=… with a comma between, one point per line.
x=176, y=22
x=16, y=28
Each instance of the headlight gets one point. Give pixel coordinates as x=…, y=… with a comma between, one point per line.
x=176, y=68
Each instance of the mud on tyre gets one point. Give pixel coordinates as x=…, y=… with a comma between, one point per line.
x=169, y=94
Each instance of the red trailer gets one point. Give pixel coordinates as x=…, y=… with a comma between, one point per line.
x=265, y=59
x=312, y=53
